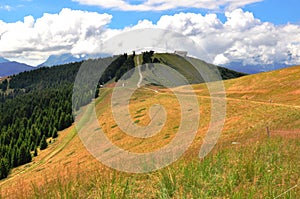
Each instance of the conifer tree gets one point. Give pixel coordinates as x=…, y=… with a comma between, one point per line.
x=43, y=144
x=35, y=152
x=4, y=168
x=54, y=133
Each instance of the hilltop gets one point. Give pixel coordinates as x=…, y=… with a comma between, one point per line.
x=125, y=62
x=244, y=163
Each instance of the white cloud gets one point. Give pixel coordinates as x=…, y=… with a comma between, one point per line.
x=69, y=30
x=151, y=5
x=29, y=21
x=242, y=37
x=220, y=59
x=190, y=23
x=238, y=19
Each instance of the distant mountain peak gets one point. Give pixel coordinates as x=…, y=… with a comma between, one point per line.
x=11, y=68
x=2, y=60
x=68, y=58
x=253, y=69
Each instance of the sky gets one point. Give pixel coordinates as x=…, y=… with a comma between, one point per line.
x=249, y=31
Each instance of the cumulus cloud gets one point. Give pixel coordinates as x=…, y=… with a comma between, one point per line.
x=240, y=20
x=220, y=59
x=69, y=30
x=190, y=23
x=241, y=38
x=158, y=5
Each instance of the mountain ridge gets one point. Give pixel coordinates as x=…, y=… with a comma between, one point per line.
x=252, y=68
x=2, y=60
x=66, y=58
x=12, y=68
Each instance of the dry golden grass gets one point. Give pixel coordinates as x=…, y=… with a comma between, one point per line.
x=249, y=112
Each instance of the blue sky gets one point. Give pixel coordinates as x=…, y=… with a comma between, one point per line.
x=250, y=31
x=275, y=11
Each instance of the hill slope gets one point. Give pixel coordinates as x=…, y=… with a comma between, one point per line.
x=25, y=126
x=253, y=167
x=192, y=72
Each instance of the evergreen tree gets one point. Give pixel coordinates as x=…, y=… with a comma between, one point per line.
x=4, y=168
x=14, y=158
x=35, y=152
x=43, y=144
x=24, y=155
x=54, y=133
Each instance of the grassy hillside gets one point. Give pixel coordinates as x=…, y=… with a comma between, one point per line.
x=245, y=163
x=190, y=72
x=176, y=62
x=24, y=126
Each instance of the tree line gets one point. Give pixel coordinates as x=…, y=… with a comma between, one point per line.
x=35, y=105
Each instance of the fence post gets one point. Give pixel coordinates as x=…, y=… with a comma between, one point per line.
x=268, y=131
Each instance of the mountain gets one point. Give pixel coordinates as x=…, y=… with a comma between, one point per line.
x=3, y=60
x=66, y=58
x=12, y=68
x=60, y=59
x=253, y=69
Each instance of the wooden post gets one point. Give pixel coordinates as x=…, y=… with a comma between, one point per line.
x=268, y=131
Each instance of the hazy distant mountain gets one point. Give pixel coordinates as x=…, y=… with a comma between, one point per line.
x=54, y=60
x=253, y=69
x=10, y=68
x=60, y=59
x=3, y=60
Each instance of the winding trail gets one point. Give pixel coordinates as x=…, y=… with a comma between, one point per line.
x=140, y=73
x=182, y=91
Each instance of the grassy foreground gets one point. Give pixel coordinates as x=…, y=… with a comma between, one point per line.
x=264, y=169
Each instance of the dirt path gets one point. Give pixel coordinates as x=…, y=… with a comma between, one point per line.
x=138, y=62
x=183, y=92
x=140, y=73
x=257, y=102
